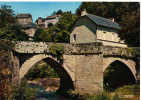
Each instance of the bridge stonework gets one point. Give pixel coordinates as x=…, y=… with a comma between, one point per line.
x=82, y=66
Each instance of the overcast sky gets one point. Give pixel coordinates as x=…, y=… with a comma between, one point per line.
x=41, y=9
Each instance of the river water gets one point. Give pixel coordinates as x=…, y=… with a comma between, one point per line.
x=44, y=95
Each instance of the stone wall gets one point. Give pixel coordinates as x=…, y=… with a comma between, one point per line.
x=89, y=74
x=95, y=47
x=85, y=31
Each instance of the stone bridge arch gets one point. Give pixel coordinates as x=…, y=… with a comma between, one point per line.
x=128, y=62
x=66, y=76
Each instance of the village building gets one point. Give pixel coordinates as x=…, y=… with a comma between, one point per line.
x=25, y=20
x=51, y=19
x=91, y=28
x=40, y=22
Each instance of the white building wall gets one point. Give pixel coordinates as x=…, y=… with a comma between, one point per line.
x=109, y=36
x=53, y=21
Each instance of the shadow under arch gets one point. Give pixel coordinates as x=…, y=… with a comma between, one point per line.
x=116, y=75
x=66, y=82
x=66, y=79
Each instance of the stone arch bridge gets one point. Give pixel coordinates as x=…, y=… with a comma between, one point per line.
x=82, y=66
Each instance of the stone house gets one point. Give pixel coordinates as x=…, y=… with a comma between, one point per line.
x=52, y=19
x=40, y=22
x=25, y=20
x=90, y=28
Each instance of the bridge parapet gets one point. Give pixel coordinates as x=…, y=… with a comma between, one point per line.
x=95, y=47
x=121, y=51
x=31, y=47
x=42, y=47
x=85, y=48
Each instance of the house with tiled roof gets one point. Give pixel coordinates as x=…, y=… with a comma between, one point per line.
x=91, y=28
x=25, y=20
x=51, y=19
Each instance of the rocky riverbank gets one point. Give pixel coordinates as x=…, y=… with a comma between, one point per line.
x=51, y=84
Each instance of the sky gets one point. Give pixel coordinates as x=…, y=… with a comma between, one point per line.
x=41, y=9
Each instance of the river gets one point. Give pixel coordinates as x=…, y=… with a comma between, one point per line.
x=44, y=95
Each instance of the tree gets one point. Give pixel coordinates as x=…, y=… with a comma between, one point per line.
x=66, y=21
x=124, y=13
x=59, y=12
x=42, y=35
x=14, y=33
x=37, y=34
x=8, y=28
x=63, y=36
x=54, y=13
x=130, y=31
x=50, y=25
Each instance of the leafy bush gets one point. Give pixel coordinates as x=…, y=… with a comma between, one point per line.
x=57, y=50
x=99, y=96
x=20, y=91
x=129, y=89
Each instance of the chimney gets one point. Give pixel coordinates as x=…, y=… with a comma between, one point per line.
x=17, y=13
x=112, y=19
x=83, y=12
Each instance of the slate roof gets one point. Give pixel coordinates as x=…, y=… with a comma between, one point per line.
x=51, y=17
x=103, y=21
x=24, y=15
x=30, y=25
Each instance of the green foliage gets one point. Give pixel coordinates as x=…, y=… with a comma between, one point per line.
x=135, y=52
x=41, y=71
x=58, y=32
x=129, y=89
x=8, y=28
x=59, y=12
x=57, y=49
x=50, y=25
x=124, y=90
x=66, y=21
x=37, y=34
x=127, y=14
x=42, y=35
x=99, y=96
x=62, y=36
x=15, y=34
x=116, y=97
x=7, y=16
x=20, y=91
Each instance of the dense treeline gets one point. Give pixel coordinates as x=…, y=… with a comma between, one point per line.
x=127, y=14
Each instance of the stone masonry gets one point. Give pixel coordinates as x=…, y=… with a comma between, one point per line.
x=82, y=66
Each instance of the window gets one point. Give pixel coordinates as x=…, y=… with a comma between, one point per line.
x=74, y=37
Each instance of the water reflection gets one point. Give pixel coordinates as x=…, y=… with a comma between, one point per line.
x=42, y=94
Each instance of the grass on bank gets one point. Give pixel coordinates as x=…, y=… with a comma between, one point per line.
x=127, y=92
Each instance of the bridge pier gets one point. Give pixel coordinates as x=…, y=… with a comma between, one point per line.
x=88, y=73
x=16, y=67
